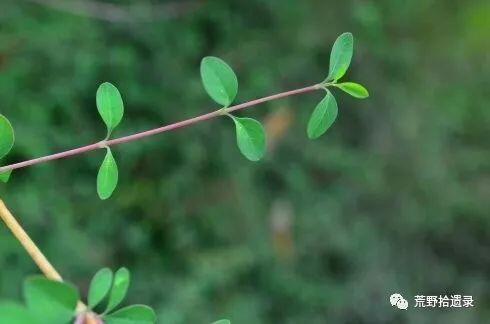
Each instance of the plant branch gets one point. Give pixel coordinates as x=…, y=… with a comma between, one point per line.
x=37, y=256
x=137, y=136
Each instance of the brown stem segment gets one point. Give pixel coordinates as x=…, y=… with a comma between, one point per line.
x=158, y=130
x=37, y=256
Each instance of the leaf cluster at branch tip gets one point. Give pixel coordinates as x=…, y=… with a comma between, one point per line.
x=49, y=301
x=325, y=113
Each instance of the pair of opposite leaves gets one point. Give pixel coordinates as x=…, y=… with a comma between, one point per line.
x=49, y=301
x=110, y=106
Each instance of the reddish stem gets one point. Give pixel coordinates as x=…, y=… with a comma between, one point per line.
x=155, y=131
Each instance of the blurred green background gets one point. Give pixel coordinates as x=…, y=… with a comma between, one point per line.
x=394, y=198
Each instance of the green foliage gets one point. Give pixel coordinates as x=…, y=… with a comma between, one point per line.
x=110, y=105
x=221, y=83
x=341, y=56
x=7, y=139
x=326, y=110
x=99, y=286
x=50, y=301
x=5, y=176
x=6, y=136
x=108, y=176
x=219, y=80
x=354, y=89
x=323, y=116
x=250, y=137
x=119, y=289
x=111, y=109
x=13, y=313
x=55, y=302
x=135, y=314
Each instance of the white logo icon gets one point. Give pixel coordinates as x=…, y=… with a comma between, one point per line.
x=398, y=301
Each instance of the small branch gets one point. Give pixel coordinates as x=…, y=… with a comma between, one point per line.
x=31, y=248
x=155, y=131
x=37, y=256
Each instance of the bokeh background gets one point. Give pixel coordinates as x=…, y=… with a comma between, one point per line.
x=394, y=198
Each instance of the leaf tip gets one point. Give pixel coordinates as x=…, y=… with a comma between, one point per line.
x=5, y=176
x=347, y=34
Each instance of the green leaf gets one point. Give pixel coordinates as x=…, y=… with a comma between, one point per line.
x=250, y=138
x=108, y=176
x=51, y=301
x=119, y=289
x=99, y=287
x=219, y=80
x=340, y=56
x=354, y=89
x=6, y=136
x=322, y=117
x=222, y=321
x=13, y=313
x=135, y=314
x=5, y=176
x=109, y=105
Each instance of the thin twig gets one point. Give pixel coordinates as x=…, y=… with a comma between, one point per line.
x=39, y=259
x=36, y=255
x=137, y=136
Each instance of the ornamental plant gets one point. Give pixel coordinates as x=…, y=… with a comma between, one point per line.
x=48, y=299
